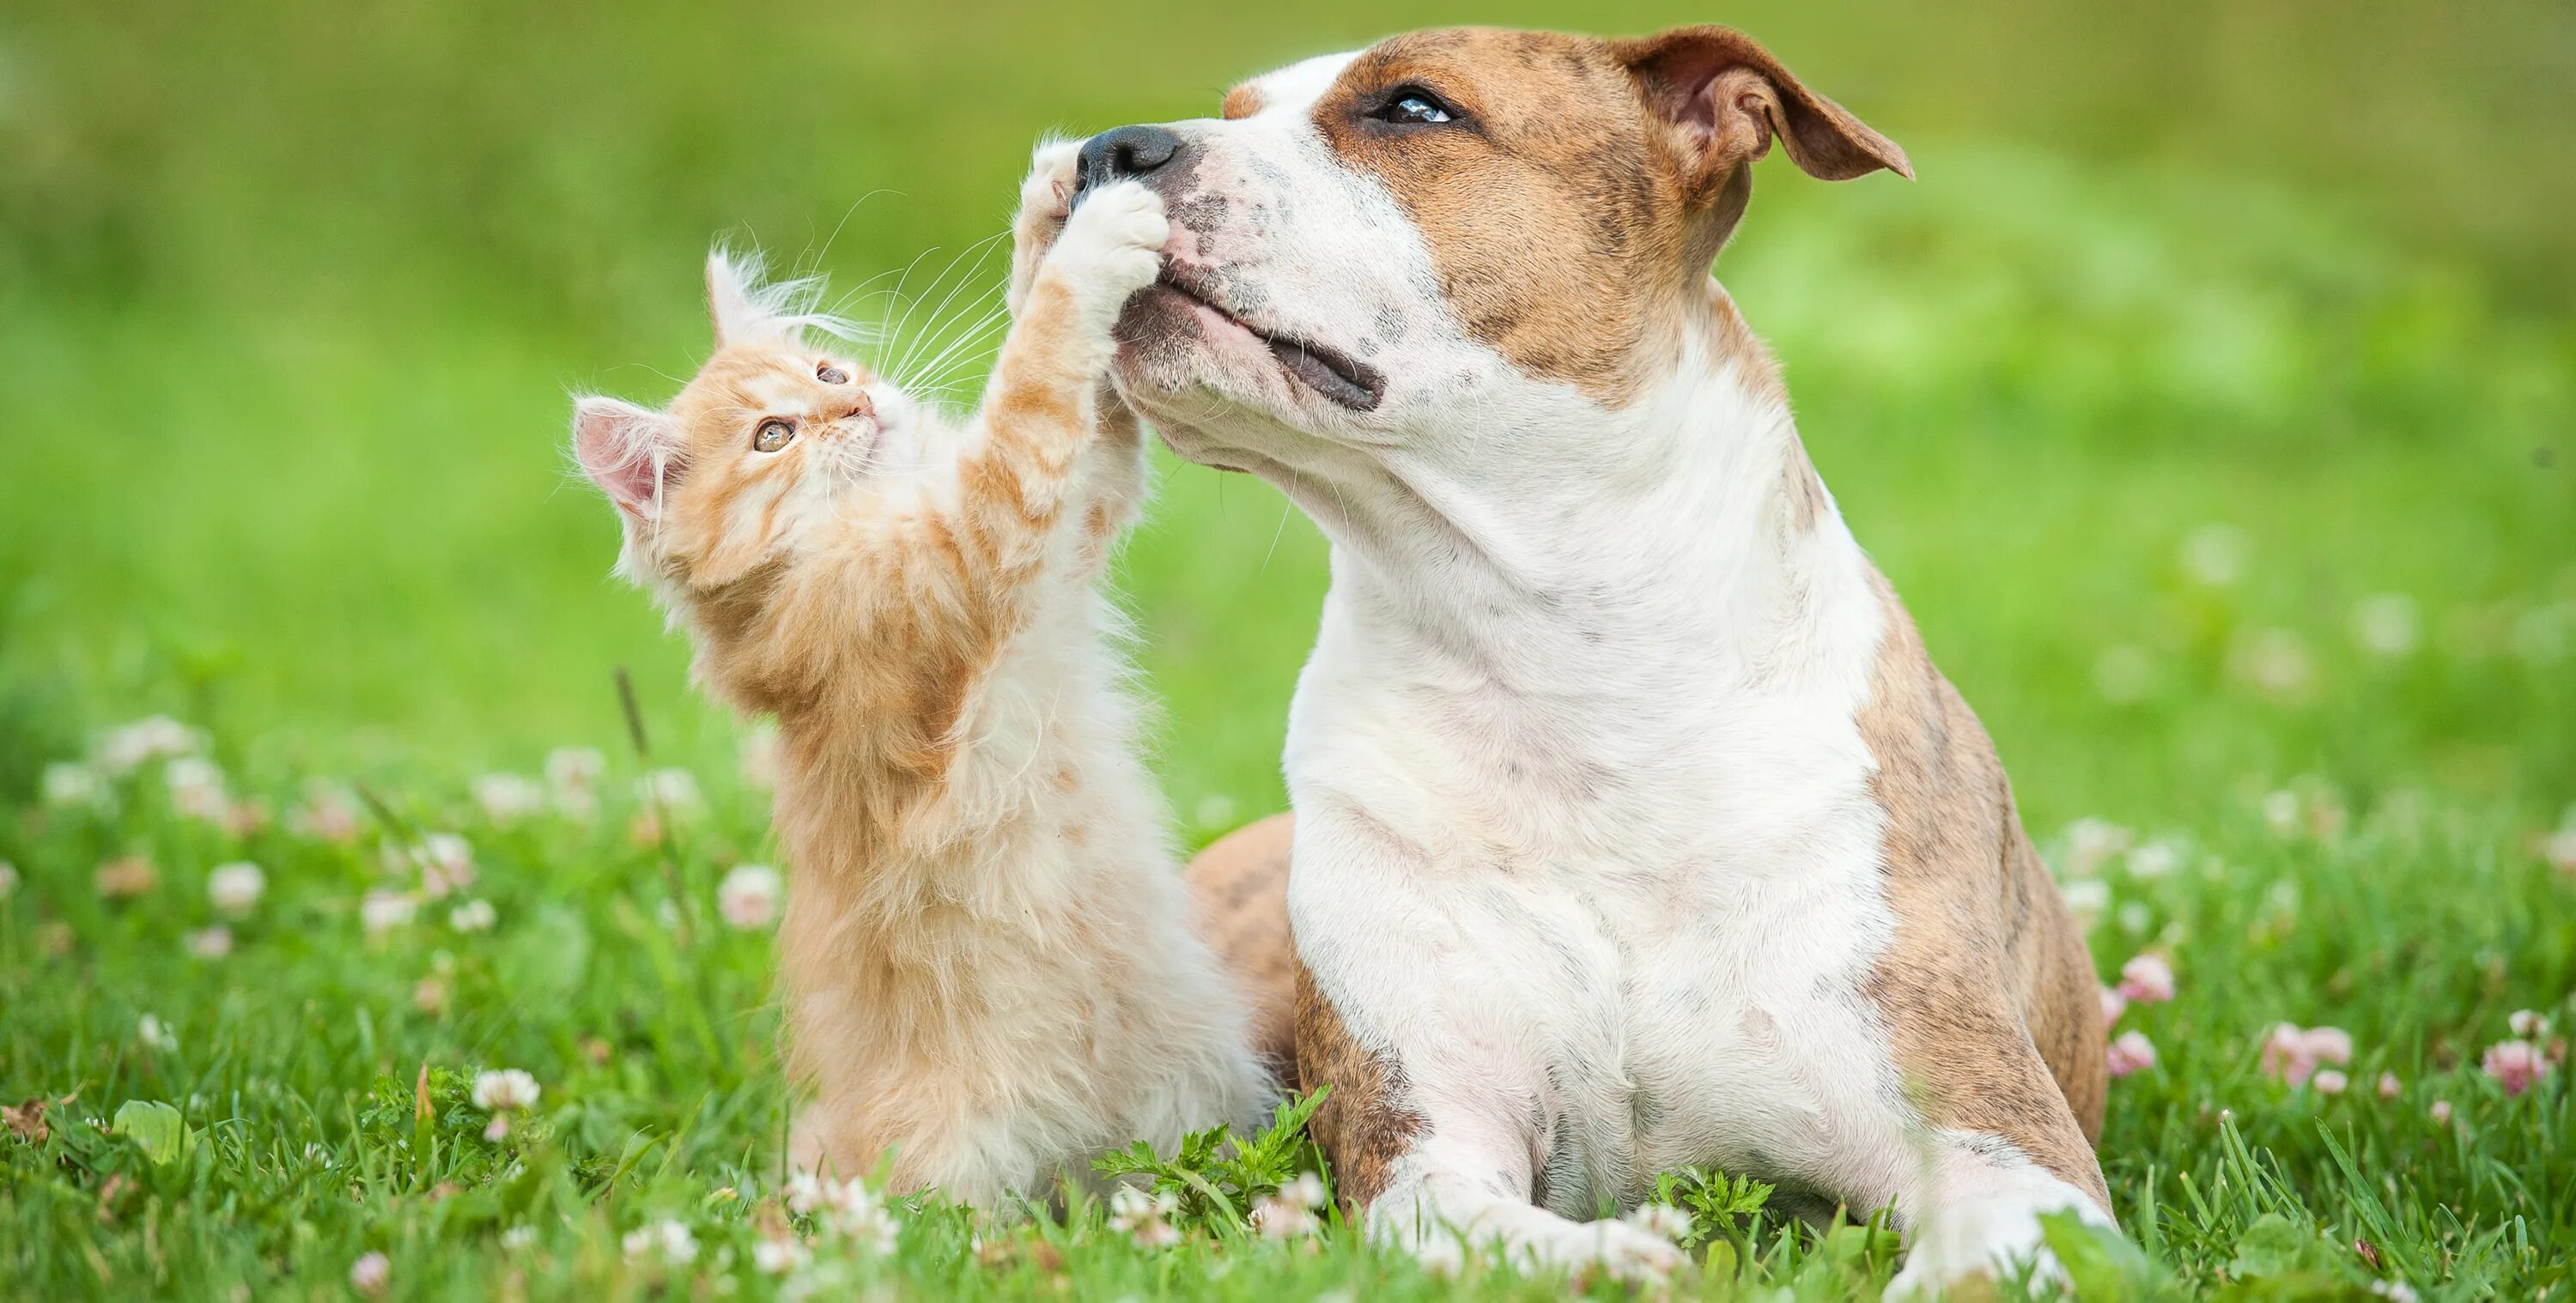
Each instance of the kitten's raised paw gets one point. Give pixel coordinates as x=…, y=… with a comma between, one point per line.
x=1046, y=197
x=1113, y=244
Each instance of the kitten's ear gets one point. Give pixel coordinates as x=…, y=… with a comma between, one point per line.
x=628, y=451
x=734, y=300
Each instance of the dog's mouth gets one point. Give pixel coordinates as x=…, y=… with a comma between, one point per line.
x=1344, y=380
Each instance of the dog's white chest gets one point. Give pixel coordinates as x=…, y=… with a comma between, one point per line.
x=1673, y=973
x=1726, y=1029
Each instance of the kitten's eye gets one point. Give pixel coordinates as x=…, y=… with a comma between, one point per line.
x=831, y=375
x=1414, y=107
x=772, y=435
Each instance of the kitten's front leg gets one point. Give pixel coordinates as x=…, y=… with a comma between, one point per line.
x=1041, y=411
x=1114, y=470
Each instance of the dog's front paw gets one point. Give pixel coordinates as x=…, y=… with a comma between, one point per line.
x=1606, y=1248
x=1112, y=245
x=1966, y=1249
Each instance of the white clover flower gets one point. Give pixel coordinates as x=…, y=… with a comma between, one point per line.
x=2156, y=859
x=668, y=789
x=329, y=814
x=806, y=1192
x=197, y=788
x=446, y=864
x=779, y=1255
x=518, y=1237
x=748, y=896
x=473, y=916
x=2089, y=842
x=2215, y=555
x=874, y=1232
x=2086, y=896
x=154, y=1036
x=575, y=768
x=1128, y=1206
x=211, y=943
x=2559, y=848
x=508, y=1088
x=2281, y=813
x=2529, y=1024
x=2147, y=979
x=2274, y=662
x=129, y=747
x=1280, y=1218
x=508, y=798
x=1661, y=1220
x=370, y=1274
x=574, y=774
x=678, y=1246
x=2129, y=1052
x=1144, y=1217
x=2385, y=624
x=1307, y=1191
x=235, y=888
x=383, y=911
x=69, y=783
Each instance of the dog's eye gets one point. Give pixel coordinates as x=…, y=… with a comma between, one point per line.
x=830, y=374
x=1414, y=107
x=772, y=435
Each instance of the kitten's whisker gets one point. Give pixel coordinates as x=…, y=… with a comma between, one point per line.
x=895, y=330
x=981, y=333
x=972, y=337
x=982, y=250
x=826, y=250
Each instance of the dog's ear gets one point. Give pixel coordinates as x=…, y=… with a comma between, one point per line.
x=1727, y=98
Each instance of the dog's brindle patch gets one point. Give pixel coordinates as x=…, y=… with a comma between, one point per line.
x=1988, y=994
x=1369, y=1120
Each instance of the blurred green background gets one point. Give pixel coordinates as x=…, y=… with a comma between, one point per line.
x=2209, y=397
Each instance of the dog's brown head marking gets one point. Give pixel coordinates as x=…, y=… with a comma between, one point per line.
x=1570, y=190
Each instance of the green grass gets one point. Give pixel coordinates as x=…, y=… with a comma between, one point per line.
x=2142, y=415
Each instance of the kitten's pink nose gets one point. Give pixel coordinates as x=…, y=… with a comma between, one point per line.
x=866, y=406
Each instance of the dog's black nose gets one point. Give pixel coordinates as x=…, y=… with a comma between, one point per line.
x=1123, y=153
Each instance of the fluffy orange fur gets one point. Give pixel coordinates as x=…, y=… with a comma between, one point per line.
x=984, y=961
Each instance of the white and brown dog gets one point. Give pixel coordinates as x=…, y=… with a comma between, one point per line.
x=1634, y=828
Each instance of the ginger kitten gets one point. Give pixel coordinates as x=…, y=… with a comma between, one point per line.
x=986, y=961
